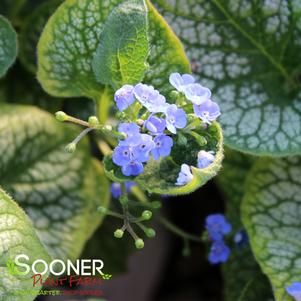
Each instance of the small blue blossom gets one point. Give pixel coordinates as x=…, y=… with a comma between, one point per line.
x=133, y=168
x=180, y=81
x=132, y=132
x=219, y=252
x=208, y=111
x=294, y=290
x=122, y=155
x=185, y=175
x=196, y=93
x=205, y=159
x=150, y=98
x=142, y=150
x=175, y=118
x=155, y=125
x=124, y=97
x=163, y=145
x=217, y=226
x=116, y=190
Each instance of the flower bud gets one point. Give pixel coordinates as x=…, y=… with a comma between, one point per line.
x=156, y=205
x=150, y=233
x=146, y=215
x=102, y=210
x=118, y=233
x=139, y=243
x=61, y=116
x=70, y=148
x=93, y=121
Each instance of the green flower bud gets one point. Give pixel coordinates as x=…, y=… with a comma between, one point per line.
x=118, y=233
x=146, y=215
x=70, y=148
x=102, y=210
x=139, y=243
x=174, y=95
x=156, y=205
x=182, y=140
x=61, y=116
x=93, y=121
x=150, y=233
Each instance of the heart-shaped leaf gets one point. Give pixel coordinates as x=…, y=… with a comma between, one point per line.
x=271, y=213
x=59, y=191
x=123, y=49
x=72, y=35
x=8, y=45
x=251, y=285
x=249, y=54
x=17, y=237
x=160, y=176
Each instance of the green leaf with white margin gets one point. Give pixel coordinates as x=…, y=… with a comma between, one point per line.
x=17, y=236
x=31, y=30
x=251, y=285
x=59, y=191
x=8, y=45
x=249, y=54
x=71, y=37
x=121, y=55
x=160, y=176
x=271, y=213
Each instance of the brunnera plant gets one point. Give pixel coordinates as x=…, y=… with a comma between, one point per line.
x=152, y=112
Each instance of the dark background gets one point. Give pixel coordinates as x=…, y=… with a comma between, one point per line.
x=160, y=272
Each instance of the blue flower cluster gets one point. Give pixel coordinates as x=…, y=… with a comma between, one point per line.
x=217, y=227
x=152, y=135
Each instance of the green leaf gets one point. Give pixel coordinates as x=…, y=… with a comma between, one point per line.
x=72, y=35
x=31, y=30
x=17, y=237
x=272, y=216
x=59, y=191
x=251, y=285
x=123, y=49
x=160, y=176
x=249, y=55
x=8, y=45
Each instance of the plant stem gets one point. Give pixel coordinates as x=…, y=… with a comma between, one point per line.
x=173, y=228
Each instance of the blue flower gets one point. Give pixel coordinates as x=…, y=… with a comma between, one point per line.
x=295, y=290
x=205, y=159
x=208, y=111
x=122, y=155
x=150, y=98
x=155, y=125
x=196, y=93
x=133, y=168
x=132, y=132
x=219, y=252
x=163, y=145
x=142, y=150
x=185, y=175
x=180, y=81
x=124, y=97
x=116, y=190
x=175, y=118
x=217, y=226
